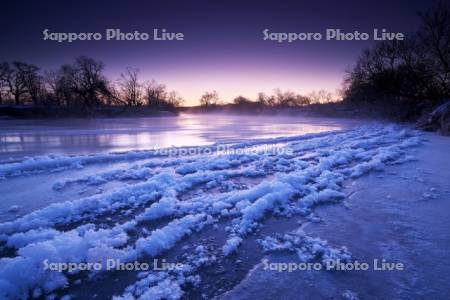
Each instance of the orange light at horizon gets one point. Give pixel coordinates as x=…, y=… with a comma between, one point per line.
x=230, y=86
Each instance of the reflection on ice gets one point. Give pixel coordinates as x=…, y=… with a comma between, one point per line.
x=20, y=138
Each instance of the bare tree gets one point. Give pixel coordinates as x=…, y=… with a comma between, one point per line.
x=21, y=79
x=173, y=99
x=81, y=85
x=241, y=100
x=288, y=99
x=301, y=100
x=155, y=94
x=266, y=100
x=209, y=98
x=435, y=33
x=415, y=70
x=285, y=98
x=262, y=99
x=53, y=82
x=15, y=80
x=4, y=73
x=130, y=87
x=32, y=80
x=321, y=96
x=85, y=81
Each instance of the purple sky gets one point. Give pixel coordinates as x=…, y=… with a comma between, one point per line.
x=223, y=47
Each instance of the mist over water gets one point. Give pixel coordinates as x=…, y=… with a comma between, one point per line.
x=19, y=138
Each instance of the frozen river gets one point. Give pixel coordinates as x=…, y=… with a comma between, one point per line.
x=288, y=190
x=20, y=138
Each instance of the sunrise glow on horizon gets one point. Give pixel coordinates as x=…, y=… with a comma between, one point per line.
x=228, y=55
x=192, y=85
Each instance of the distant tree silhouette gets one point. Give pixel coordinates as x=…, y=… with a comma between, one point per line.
x=87, y=81
x=289, y=98
x=173, y=99
x=4, y=72
x=155, y=94
x=321, y=96
x=33, y=81
x=241, y=100
x=130, y=87
x=19, y=77
x=209, y=98
x=80, y=86
x=415, y=70
x=56, y=88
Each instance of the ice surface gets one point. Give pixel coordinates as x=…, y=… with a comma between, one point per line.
x=162, y=199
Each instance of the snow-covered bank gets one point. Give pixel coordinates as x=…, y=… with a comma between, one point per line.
x=163, y=201
x=400, y=215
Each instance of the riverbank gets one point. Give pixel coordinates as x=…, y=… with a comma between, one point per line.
x=375, y=111
x=400, y=215
x=42, y=112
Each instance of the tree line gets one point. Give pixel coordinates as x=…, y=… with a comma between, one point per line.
x=278, y=98
x=81, y=84
x=412, y=73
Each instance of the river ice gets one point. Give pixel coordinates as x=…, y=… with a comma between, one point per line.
x=217, y=208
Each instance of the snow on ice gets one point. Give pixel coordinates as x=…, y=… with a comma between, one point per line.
x=176, y=196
